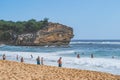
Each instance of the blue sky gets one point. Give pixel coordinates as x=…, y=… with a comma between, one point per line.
x=90, y=19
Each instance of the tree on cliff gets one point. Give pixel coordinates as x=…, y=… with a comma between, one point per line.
x=21, y=26
x=5, y=36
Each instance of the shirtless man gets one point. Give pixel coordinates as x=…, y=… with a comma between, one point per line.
x=60, y=62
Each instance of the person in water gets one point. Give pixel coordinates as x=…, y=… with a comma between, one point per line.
x=16, y=57
x=22, y=60
x=31, y=56
x=60, y=62
x=83, y=53
x=113, y=57
x=78, y=55
x=91, y=55
x=4, y=57
x=38, y=60
x=75, y=52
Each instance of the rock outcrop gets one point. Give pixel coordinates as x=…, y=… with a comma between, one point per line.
x=53, y=34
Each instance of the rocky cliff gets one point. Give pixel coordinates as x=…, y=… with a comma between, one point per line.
x=53, y=34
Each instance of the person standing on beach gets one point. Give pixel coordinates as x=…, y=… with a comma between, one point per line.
x=22, y=60
x=60, y=62
x=38, y=60
x=4, y=57
x=41, y=60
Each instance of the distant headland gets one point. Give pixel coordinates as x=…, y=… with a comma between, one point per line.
x=35, y=33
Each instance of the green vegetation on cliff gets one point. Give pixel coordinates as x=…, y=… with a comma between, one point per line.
x=7, y=28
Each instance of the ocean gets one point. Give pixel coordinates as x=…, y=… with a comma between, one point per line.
x=106, y=55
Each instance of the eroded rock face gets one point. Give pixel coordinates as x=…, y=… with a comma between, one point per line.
x=53, y=34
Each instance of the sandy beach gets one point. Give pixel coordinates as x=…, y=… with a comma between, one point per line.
x=10, y=70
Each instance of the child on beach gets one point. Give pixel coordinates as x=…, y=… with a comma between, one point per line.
x=38, y=60
x=60, y=62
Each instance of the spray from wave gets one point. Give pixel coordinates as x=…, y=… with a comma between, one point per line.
x=95, y=42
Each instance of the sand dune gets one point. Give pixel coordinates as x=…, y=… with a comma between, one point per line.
x=20, y=71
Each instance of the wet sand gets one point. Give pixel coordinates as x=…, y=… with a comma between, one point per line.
x=10, y=70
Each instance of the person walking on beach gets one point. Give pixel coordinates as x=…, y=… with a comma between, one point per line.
x=41, y=60
x=38, y=60
x=4, y=57
x=22, y=60
x=60, y=62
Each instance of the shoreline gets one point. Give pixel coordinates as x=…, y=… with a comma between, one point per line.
x=12, y=56
x=11, y=70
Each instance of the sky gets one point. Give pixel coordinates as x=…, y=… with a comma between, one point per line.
x=90, y=19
